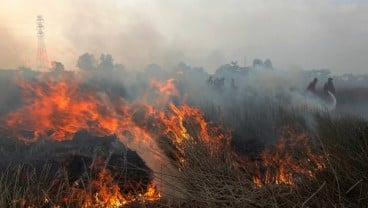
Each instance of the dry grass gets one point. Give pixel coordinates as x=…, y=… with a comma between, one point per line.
x=219, y=179
x=222, y=178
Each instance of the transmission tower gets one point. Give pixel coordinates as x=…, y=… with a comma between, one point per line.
x=42, y=61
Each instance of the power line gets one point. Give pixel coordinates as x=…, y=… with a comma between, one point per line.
x=42, y=60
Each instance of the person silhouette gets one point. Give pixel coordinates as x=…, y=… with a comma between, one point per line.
x=329, y=86
x=312, y=85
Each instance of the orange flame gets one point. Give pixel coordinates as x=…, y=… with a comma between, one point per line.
x=104, y=192
x=57, y=107
x=289, y=160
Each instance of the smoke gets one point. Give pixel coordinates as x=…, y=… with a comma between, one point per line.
x=264, y=100
x=258, y=102
x=12, y=49
x=137, y=33
x=254, y=102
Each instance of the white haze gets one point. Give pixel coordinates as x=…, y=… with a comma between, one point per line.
x=292, y=33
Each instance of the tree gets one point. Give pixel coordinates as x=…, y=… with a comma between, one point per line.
x=57, y=66
x=87, y=62
x=257, y=63
x=268, y=64
x=106, y=62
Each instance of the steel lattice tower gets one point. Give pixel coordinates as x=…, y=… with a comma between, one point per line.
x=42, y=61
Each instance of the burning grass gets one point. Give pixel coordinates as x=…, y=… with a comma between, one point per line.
x=188, y=161
x=74, y=176
x=295, y=172
x=23, y=186
x=219, y=178
x=290, y=160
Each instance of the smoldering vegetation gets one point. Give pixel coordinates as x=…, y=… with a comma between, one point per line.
x=255, y=104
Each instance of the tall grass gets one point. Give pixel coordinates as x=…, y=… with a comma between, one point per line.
x=224, y=178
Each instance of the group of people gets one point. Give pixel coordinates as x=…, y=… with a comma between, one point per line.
x=219, y=83
x=327, y=87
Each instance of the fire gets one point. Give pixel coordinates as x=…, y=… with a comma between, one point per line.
x=167, y=88
x=152, y=193
x=105, y=192
x=166, y=92
x=180, y=122
x=58, y=107
x=186, y=125
x=288, y=161
x=184, y=119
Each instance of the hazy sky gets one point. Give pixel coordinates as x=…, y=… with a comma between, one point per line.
x=292, y=33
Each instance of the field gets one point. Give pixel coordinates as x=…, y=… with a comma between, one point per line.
x=244, y=153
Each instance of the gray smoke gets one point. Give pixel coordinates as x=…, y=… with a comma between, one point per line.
x=208, y=33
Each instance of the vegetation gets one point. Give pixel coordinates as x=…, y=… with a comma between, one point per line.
x=209, y=178
x=278, y=156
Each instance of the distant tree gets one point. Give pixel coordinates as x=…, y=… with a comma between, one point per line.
x=234, y=64
x=28, y=72
x=24, y=69
x=106, y=62
x=153, y=69
x=119, y=67
x=268, y=64
x=183, y=66
x=257, y=63
x=224, y=69
x=57, y=66
x=87, y=62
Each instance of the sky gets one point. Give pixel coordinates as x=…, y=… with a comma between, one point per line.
x=294, y=34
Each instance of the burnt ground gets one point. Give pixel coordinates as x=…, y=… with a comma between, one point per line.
x=80, y=159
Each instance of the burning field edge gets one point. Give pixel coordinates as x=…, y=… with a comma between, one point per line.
x=73, y=145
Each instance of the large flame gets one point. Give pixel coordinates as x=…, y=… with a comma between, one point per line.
x=56, y=108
